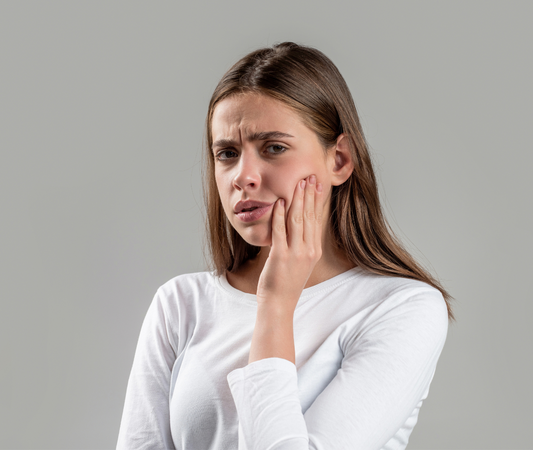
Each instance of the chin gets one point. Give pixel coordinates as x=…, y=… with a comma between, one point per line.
x=257, y=239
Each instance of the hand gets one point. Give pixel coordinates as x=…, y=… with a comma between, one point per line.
x=296, y=247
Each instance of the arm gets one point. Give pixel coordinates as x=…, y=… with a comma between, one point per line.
x=385, y=372
x=291, y=260
x=145, y=419
x=384, y=376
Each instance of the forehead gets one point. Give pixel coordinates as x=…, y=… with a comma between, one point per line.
x=246, y=114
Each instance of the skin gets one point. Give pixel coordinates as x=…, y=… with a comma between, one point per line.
x=296, y=175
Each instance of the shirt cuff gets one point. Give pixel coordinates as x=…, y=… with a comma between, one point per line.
x=268, y=404
x=262, y=366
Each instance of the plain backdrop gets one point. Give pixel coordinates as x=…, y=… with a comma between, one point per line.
x=102, y=107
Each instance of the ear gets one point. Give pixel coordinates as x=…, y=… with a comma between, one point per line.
x=341, y=160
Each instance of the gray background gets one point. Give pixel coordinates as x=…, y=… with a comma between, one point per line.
x=102, y=107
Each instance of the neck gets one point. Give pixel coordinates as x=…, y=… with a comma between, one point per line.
x=332, y=263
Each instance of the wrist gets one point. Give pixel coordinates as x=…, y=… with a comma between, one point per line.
x=273, y=332
x=278, y=309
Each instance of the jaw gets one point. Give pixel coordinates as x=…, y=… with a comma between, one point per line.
x=258, y=235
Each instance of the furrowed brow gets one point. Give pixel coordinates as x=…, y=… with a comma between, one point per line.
x=266, y=135
x=258, y=136
x=224, y=143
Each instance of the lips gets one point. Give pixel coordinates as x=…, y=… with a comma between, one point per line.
x=251, y=210
x=249, y=205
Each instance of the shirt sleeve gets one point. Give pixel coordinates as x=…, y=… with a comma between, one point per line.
x=385, y=373
x=145, y=420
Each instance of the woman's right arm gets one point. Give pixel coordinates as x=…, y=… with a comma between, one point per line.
x=145, y=420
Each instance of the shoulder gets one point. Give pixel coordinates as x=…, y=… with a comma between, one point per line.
x=176, y=303
x=183, y=292
x=406, y=306
x=395, y=292
x=188, y=283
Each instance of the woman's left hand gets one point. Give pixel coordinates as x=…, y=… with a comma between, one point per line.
x=296, y=247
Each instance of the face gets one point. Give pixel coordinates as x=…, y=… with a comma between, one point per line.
x=262, y=150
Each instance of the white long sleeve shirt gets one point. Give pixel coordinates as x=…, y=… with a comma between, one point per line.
x=366, y=351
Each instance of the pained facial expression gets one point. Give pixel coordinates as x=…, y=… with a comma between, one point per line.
x=262, y=150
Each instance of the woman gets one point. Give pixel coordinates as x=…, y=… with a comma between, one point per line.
x=316, y=329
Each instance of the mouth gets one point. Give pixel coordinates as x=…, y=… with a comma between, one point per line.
x=249, y=206
x=251, y=213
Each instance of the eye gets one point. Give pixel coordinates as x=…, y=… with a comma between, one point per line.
x=275, y=149
x=224, y=155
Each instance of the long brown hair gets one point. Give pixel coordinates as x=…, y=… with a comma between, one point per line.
x=307, y=81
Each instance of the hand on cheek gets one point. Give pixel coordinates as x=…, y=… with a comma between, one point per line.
x=296, y=246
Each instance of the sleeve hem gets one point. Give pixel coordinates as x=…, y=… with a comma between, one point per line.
x=261, y=366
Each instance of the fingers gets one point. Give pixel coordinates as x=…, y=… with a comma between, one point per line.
x=313, y=207
x=305, y=214
x=296, y=216
x=319, y=207
x=279, y=231
x=309, y=211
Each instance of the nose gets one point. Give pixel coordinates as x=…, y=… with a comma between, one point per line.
x=248, y=175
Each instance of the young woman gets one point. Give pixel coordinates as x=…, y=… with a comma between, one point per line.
x=316, y=329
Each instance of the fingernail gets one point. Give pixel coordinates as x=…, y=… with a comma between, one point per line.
x=312, y=179
x=282, y=202
x=302, y=184
x=319, y=187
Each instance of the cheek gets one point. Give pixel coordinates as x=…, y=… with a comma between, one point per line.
x=287, y=178
x=221, y=180
x=282, y=182
x=223, y=193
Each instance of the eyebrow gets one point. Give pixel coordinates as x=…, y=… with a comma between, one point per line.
x=257, y=136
